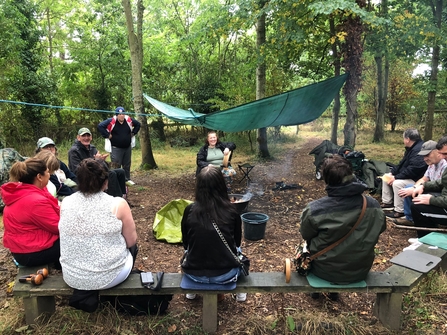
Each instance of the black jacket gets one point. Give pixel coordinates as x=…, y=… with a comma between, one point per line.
x=61, y=188
x=412, y=165
x=79, y=152
x=207, y=254
x=203, y=152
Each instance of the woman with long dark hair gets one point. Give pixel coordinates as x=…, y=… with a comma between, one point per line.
x=208, y=260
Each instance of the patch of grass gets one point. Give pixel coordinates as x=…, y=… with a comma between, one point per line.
x=423, y=306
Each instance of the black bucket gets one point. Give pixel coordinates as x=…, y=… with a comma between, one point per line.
x=254, y=225
x=241, y=206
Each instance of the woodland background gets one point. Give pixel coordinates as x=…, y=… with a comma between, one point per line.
x=87, y=57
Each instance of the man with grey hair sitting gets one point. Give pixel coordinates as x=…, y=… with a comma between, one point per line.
x=411, y=168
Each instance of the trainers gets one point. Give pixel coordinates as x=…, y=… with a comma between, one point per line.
x=395, y=215
x=190, y=296
x=241, y=297
x=130, y=183
x=386, y=207
x=403, y=222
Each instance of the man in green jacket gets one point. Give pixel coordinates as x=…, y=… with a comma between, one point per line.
x=430, y=210
x=327, y=220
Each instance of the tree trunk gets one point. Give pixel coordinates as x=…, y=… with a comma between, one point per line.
x=260, y=80
x=437, y=13
x=135, y=41
x=353, y=49
x=380, y=106
x=337, y=69
x=382, y=81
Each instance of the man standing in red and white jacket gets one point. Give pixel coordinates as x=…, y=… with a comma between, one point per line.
x=120, y=130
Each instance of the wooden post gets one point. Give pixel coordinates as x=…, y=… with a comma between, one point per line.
x=209, y=312
x=388, y=308
x=37, y=306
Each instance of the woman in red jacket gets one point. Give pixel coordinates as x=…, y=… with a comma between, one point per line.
x=31, y=215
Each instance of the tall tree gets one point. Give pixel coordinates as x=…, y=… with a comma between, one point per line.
x=352, y=62
x=337, y=70
x=135, y=39
x=381, y=54
x=260, y=76
x=436, y=6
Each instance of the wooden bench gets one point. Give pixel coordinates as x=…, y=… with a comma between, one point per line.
x=389, y=286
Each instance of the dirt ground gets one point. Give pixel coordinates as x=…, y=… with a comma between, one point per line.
x=153, y=190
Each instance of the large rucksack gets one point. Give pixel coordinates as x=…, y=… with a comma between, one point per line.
x=8, y=157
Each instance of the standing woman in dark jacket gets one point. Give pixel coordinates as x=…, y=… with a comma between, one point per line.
x=208, y=260
x=327, y=220
x=213, y=152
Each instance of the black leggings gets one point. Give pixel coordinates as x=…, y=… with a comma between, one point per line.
x=117, y=183
x=44, y=257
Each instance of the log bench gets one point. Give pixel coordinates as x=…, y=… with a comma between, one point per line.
x=389, y=287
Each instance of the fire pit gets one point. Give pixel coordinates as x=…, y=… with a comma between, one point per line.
x=241, y=201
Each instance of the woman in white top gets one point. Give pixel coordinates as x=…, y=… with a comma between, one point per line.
x=97, y=233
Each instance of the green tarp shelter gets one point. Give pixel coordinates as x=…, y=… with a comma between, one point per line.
x=295, y=107
x=167, y=222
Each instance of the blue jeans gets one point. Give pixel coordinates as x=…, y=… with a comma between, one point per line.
x=229, y=277
x=407, y=206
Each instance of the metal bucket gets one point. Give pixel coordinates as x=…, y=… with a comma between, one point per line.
x=241, y=206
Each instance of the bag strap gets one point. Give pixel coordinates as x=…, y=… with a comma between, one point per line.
x=333, y=245
x=225, y=241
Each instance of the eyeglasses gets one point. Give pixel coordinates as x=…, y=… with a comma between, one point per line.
x=86, y=135
x=49, y=147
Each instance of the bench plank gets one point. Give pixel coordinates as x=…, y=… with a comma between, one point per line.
x=388, y=285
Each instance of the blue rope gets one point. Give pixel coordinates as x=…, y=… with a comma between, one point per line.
x=72, y=108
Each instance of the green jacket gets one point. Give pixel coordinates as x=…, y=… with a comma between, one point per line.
x=326, y=220
x=439, y=185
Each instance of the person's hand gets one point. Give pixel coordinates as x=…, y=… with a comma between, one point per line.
x=405, y=192
x=422, y=199
x=100, y=156
x=110, y=136
x=391, y=179
x=226, y=151
x=418, y=190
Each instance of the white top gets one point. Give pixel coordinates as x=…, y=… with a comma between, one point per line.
x=93, y=249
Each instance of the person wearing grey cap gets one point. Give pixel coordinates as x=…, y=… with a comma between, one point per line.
x=430, y=210
x=120, y=130
x=82, y=148
x=63, y=179
x=436, y=166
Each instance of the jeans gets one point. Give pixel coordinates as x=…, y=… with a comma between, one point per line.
x=229, y=277
x=407, y=206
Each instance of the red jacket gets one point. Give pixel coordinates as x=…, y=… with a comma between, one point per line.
x=30, y=218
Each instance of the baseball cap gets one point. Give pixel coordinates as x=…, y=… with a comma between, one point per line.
x=119, y=110
x=83, y=131
x=427, y=147
x=44, y=141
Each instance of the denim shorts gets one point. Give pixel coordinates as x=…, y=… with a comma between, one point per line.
x=229, y=277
